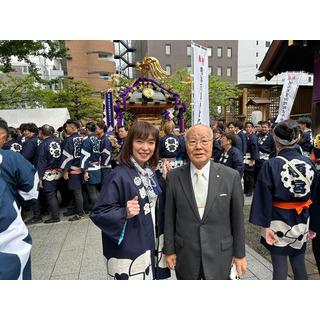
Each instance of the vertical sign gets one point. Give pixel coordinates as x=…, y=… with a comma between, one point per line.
x=201, y=92
x=109, y=111
x=288, y=95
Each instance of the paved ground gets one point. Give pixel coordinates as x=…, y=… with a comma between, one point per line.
x=73, y=251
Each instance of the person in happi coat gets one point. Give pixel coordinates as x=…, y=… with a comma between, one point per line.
x=281, y=200
x=47, y=163
x=216, y=148
x=32, y=142
x=231, y=127
x=15, y=240
x=306, y=144
x=70, y=164
x=238, y=130
x=231, y=156
x=18, y=173
x=171, y=147
x=130, y=209
x=204, y=222
x=105, y=150
x=89, y=162
x=267, y=147
x=250, y=157
x=12, y=141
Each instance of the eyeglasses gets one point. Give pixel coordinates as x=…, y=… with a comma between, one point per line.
x=203, y=142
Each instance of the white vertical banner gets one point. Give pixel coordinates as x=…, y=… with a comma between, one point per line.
x=201, y=93
x=288, y=94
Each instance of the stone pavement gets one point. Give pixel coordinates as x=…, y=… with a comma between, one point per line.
x=73, y=251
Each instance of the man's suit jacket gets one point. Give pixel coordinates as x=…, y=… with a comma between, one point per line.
x=216, y=238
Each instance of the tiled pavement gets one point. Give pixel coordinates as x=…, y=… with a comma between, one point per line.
x=73, y=251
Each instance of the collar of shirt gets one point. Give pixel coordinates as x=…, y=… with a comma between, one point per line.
x=205, y=170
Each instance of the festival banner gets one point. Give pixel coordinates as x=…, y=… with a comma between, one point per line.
x=109, y=111
x=288, y=95
x=200, y=89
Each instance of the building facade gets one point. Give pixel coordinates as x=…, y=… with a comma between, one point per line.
x=91, y=61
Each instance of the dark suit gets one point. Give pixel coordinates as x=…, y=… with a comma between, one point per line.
x=215, y=239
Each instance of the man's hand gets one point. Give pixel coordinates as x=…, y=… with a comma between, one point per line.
x=171, y=260
x=86, y=176
x=65, y=174
x=133, y=207
x=241, y=265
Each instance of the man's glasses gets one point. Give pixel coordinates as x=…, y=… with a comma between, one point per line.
x=203, y=142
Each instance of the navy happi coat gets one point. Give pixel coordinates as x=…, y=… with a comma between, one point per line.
x=105, y=157
x=233, y=159
x=47, y=160
x=15, y=240
x=70, y=160
x=279, y=182
x=131, y=248
x=89, y=159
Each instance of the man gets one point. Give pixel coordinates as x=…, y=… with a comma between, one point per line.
x=47, y=163
x=19, y=174
x=258, y=128
x=122, y=133
x=89, y=162
x=231, y=127
x=250, y=157
x=267, y=147
x=217, y=134
x=306, y=145
x=12, y=141
x=203, y=234
x=19, y=185
x=105, y=150
x=70, y=163
x=238, y=130
x=30, y=146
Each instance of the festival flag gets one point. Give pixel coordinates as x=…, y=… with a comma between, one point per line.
x=201, y=92
x=109, y=111
x=288, y=95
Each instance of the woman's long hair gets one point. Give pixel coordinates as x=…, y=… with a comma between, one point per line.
x=139, y=130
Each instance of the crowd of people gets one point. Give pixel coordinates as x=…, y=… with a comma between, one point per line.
x=171, y=202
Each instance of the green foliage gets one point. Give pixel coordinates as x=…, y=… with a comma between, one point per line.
x=17, y=92
x=22, y=49
x=76, y=95
x=221, y=93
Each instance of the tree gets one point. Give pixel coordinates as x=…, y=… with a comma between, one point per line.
x=76, y=95
x=17, y=92
x=221, y=93
x=22, y=49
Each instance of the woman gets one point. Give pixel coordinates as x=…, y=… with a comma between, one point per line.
x=281, y=200
x=171, y=147
x=130, y=209
x=230, y=156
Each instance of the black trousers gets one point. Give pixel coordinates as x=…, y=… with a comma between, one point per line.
x=52, y=202
x=248, y=181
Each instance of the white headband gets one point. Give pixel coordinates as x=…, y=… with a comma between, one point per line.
x=286, y=142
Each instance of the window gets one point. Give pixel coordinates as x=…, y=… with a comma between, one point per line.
x=219, y=71
x=168, y=68
x=209, y=50
x=257, y=42
x=229, y=72
x=229, y=53
x=257, y=54
x=105, y=56
x=210, y=71
x=267, y=44
x=188, y=51
x=219, y=52
x=25, y=70
x=104, y=76
x=168, y=49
